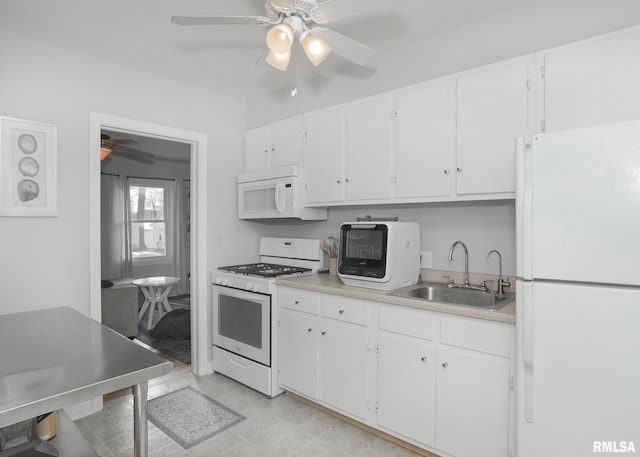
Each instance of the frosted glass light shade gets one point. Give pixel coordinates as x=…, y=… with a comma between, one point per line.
x=280, y=38
x=315, y=48
x=278, y=60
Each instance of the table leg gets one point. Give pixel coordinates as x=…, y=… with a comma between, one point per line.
x=140, y=429
x=146, y=304
x=153, y=297
x=165, y=296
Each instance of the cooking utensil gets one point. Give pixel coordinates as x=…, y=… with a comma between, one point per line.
x=333, y=249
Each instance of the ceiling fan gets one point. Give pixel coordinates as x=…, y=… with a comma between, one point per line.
x=303, y=20
x=116, y=146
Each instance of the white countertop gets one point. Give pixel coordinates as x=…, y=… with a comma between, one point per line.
x=331, y=284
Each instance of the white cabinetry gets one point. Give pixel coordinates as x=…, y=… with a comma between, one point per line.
x=591, y=82
x=325, y=356
x=407, y=373
x=426, y=140
x=323, y=156
x=367, y=145
x=274, y=145
x=438, y=381
x=474, y=388
x=346, y=153
x=343, y=353
x=494, y=107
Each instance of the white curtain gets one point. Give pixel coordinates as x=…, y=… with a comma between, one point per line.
x=115, y=227
x=178, y=226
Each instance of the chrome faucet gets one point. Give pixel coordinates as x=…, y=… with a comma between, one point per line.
x=466, y=260
x=501, y=283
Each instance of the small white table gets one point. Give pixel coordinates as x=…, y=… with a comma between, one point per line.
x=156, y=290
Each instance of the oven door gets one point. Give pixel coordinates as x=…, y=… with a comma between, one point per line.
x=242, y=323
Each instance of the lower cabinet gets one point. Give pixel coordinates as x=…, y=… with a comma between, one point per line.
x=440, y=382
x=406, y=387
x=472, y=403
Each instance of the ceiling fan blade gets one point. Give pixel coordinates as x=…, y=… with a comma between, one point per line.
x=131, y=151
x=124, y=141
x=346, y=47
x=220, y=20
x=127, y=155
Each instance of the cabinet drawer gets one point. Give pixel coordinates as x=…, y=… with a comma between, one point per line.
x=299, y=300
x=407, y=321
x=476, y=335
x=344, y=309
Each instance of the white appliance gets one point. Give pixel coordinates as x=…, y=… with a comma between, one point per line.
x=245, y=315
x=275, y=193
x=378, y=254
x=578, y=293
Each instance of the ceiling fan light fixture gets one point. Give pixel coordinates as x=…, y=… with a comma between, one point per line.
x=315, y=48
x=280, y=38
x=277, y=60
x=104, y=152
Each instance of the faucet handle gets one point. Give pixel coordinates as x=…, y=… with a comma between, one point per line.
x=483, y=284
x=449, y=280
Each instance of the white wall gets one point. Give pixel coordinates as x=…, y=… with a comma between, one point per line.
x=481, y=225
x=44, y=262
x=536, y=26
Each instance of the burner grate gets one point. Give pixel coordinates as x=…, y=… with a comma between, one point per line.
x=266, y=270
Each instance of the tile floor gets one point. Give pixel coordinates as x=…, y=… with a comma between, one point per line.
x=278, y=427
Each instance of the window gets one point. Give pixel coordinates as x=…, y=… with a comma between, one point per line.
x=148, y=201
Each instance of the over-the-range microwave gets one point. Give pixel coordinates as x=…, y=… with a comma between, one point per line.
x=274, y=193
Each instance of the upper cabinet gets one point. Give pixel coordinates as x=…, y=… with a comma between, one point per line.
x=426, y=140
x=591, y=82
x=323, y=156
x=274, y=145
x=494, y=107
x=367, y=147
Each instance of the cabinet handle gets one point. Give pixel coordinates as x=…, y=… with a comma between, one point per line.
x=310, y=330
x=341, y=311
x=446, y=172
x=346, y=180
x=266, y=151
x=423, y=358
x=459, y=168
x=296, y=302
x=338, y=181
x=445, y=364
x=324, y=333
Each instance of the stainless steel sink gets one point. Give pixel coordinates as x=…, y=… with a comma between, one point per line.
x=437, y=292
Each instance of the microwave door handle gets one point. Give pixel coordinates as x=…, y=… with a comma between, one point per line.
x=279, y=197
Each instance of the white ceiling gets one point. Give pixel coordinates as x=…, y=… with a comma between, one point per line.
x=139, y=34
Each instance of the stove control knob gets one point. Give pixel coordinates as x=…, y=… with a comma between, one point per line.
x=224, y=282
x=218, y=280
x=256, y=288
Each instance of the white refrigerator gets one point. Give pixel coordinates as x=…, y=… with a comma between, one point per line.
x=578, y=292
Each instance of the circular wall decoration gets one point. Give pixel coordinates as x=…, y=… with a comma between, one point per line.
x=28, y=190
x=27, y=143
x=28, y=166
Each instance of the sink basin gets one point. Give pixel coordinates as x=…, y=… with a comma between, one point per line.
x=437, y=292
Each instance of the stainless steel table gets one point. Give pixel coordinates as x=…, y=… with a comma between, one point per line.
x=59, y=357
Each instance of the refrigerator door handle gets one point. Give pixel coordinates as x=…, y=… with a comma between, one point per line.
x=527, y=350
x=527, y=211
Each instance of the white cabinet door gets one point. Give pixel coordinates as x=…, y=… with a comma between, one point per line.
x=406, y=386
x=592, y=82
x=493, y=110
x=257, y=149
x=323, y=156
x=343, y=367
x=472, y=404
x=274, y=145
x=367, y=146
x=285, y=141
x=426, y=140
x=299, y=352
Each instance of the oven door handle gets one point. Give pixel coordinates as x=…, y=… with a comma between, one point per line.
x=241, y=294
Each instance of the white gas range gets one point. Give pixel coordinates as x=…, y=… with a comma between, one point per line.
x=245, y=315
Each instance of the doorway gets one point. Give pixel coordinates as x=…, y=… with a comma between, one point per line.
x=197, y=145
